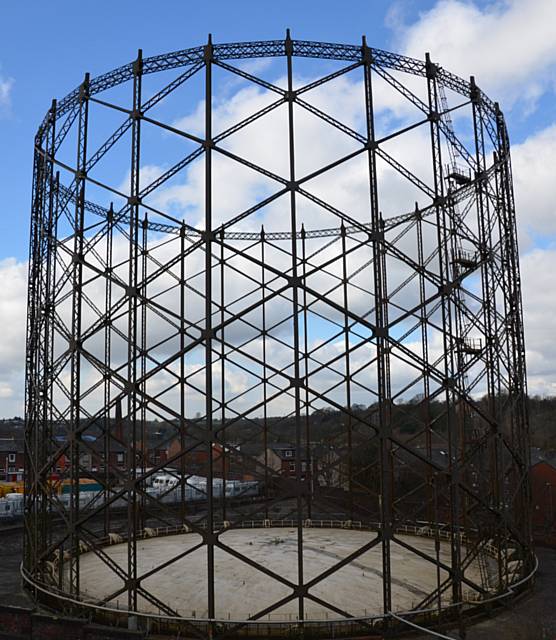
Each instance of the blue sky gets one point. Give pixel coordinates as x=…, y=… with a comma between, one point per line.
x=509, y=46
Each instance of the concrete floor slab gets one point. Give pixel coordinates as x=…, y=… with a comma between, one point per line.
x=242, y=590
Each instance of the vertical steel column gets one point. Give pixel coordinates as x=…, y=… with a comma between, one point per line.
x=42, y=344
x=488, y=286
x=502, y=542
x=49, y=320
x=108, y=359
x=437, y=546
x=484, y=224
x=50, y=391
x=75, y=345
x=208, y=324
x=133, y=294
x=183, y=372
x=36, y=491
x=309, y=476
x=347, y=375
x=423, y=320
x=381, y=340
x=35, y=298
x=432, y=478
x=445, y=290
x=143, y=363
x=32, y=461
x=265, y=390
x=294, y=283
x=223, y=440
x=385, y=397
x=518, y=379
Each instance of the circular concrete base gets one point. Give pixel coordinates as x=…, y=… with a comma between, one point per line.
x=242, y=590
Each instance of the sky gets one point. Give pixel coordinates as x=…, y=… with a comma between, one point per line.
x=509, y=46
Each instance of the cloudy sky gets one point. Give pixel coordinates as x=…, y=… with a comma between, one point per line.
x=510, y=47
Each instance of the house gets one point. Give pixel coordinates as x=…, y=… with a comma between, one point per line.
x=320, y=461
x=243, y=460
x=153, y=453
x=196, y=457
x=86, y=457
x=11, y=460
x=330, y=467
x=117, y=455
x=282, y=459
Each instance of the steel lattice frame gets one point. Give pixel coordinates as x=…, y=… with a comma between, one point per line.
x=478, y=499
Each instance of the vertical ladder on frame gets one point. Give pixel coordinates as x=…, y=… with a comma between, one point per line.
x=461, y=258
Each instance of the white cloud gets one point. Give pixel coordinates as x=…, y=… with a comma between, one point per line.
x=6, y=86
x=539, y=308
x=535, y=189
x=510, y=45
x=13, y=285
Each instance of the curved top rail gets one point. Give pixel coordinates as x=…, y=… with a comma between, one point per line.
x=273, y=48
x=264, y=49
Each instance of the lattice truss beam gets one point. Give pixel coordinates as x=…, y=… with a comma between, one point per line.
x=136, y=314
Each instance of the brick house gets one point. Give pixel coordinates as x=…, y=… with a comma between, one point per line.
x=196, y=459
x=11, y=460
x=118, y=453
x=281, y=458
x=321, y=460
